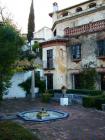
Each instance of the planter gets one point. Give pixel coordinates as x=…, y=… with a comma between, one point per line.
x=63, y=101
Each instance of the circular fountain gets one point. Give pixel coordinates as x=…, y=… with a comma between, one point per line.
x=43, y=115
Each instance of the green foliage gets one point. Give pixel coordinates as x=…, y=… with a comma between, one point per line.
x=37, y=49
x=40, y=83
x=79, y=91
x=26, y=85
x=88, y=78
x=46, y=97
x=85, y=92
x=13, y=131
x=10, y=42
x=94, y=101
x=31, y=24
x=99, y=102
x=51, y=92
x=89, y=101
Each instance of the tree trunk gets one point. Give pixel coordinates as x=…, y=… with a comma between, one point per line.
x=33, y=85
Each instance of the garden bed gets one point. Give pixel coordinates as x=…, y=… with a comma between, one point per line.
x=12, y=131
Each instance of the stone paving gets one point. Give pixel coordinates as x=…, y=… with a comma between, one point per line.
x=82, y=123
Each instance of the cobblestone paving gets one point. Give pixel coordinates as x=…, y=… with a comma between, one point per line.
x=82, y=123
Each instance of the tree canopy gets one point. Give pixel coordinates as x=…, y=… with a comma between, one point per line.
x=10, y=42
x=31, y=24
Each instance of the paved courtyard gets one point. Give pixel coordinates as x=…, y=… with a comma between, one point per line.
x=82, y=123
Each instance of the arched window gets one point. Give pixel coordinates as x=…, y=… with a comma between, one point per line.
x=55, y=32
x=79, y=9
x=65, y=13
x=91, y=5
x=61, y=53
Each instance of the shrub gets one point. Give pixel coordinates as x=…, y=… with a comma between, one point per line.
x=85, y=92
x=89, y=101
x=80, y=91
x=13, y=131
x=88, y=78
x=46, y=97
x=42, y=86
x=26, y=85
x=51, y=92
x=94, y=101
x=99, y=102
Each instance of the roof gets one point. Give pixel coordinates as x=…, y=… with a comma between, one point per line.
x=42, y=29
x=55, y=39
x=50, y=14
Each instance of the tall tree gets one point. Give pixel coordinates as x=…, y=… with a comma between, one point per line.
x=31, y=24
x=31, y=27
x=10, y=42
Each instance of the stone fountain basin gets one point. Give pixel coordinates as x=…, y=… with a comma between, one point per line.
x=53, y=115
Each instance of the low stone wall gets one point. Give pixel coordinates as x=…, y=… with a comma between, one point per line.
x=72, y=98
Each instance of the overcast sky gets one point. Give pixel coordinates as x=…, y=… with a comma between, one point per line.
x=19, y=10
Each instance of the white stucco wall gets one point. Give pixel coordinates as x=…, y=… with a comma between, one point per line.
x=76, y=19
x=45, y=33
x=88, y=42
x=16, y=91
x=59, y=73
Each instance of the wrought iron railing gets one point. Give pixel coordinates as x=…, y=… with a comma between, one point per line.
x=49, y=64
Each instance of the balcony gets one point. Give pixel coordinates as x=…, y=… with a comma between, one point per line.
x=49, y=64
x=85, y=29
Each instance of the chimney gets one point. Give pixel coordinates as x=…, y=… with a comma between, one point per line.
x=55, y=7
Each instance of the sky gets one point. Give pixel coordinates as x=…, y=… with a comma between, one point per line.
x=19, y=11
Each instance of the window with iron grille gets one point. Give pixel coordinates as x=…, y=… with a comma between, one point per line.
x=101, y=47
x=76, y=52
x=50, y=59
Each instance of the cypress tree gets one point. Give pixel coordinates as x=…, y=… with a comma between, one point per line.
x=31, y=24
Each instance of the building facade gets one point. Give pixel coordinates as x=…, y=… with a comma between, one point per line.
x=43, y=34
x=78, y=41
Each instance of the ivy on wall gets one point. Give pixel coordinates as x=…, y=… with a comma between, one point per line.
x=88, y=78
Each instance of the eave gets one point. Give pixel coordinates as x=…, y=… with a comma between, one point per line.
x=71, y=7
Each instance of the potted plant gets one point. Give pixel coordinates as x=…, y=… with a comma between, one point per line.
x=64, y=99
x=46, y=96
x=64, y=89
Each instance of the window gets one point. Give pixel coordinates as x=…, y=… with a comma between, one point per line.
x=101, y=48
x=50, y=59
x=76, y=52
x=37, y=78
x=55, y=33
x=77, y=81
x=65, y=13
x=91, y=5
x=61, y=52
x=79, y=9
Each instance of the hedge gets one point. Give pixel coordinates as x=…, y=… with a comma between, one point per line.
x=99, y=102
x=94, y=101
x=12, y=131
x=79, y=91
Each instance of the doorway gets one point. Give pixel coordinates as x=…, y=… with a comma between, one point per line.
x=103, y=81
x=49, y=81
